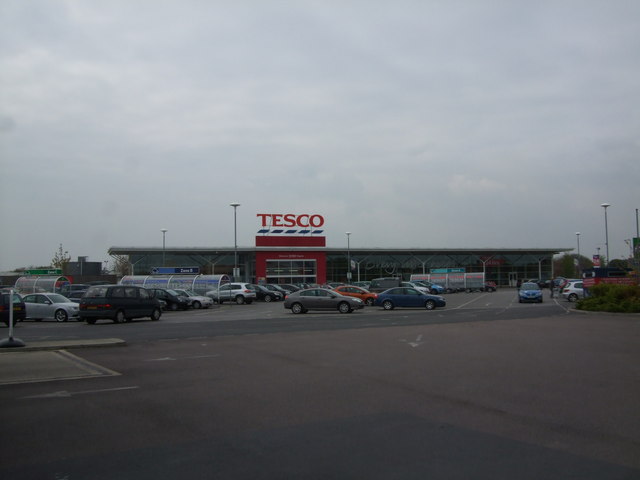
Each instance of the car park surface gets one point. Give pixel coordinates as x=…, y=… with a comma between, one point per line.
x=50, y=306
x=486, y=388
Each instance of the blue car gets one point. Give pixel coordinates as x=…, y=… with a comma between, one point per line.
x=530, y=292
x=408, y=297
x=433, y=288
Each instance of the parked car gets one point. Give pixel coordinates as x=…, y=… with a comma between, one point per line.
x=266, y=295
x=530, y=292
x=432, y=288
x=352, y=291
x=490, y=286
x=19, y=310
x=379, y=285
x=74, y=291
x=408, y=297
x=40, y=306
x=288, y=287
x=237, y=292
x=195, y=301
x=276, y=289
x=573, y=290
x=416, y=285
x=175, y=301
x=321, y=299
x=120, y=303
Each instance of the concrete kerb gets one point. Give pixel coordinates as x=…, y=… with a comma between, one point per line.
x=66, y=345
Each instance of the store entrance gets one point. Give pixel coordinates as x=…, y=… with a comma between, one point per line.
x=292, y=271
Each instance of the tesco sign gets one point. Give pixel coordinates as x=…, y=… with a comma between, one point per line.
x=291, y=220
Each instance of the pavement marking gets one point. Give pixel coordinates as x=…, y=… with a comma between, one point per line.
x=189, y=357
x=47, y=365
x=66, y=394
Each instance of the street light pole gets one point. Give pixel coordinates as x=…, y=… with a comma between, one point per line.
x=348, y=257
x=164, y=231
x=578, y=257
x=235, y=206
x=606, y=230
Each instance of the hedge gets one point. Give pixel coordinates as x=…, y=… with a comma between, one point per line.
x=612, y=298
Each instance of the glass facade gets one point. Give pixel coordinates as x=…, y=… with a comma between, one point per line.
x=291, y=271
x=503, y=266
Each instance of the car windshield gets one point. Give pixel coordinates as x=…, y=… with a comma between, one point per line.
x=530, y=286
x=173, y=292
x=58, y=299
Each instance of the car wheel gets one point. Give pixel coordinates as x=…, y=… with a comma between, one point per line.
x=120, y=317
x=61, y=316
x=90, y=321
x=343, y=307
x=369, y=302
x=268, y=298
x=430, y=305
x=387, y=305
x=573, y=297
x=240, y=300
x=297, y=308
x=156, y=314
x=196, y=304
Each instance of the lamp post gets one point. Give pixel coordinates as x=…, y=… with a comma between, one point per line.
x=235, y=206
x=578, y=257
x=164, y=231
x=606, y=231
x=348, y=257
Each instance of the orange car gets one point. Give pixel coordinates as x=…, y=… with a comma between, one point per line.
x=350, y=291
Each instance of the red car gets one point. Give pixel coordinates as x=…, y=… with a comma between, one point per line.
x=350, y=291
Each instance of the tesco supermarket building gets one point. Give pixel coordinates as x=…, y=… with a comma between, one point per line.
x=291, y=248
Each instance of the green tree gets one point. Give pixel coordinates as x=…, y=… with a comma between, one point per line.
x=60, y=259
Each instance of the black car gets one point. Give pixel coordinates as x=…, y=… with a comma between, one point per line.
x=265, y=294
x=120, y=303
x=19, y=309
x=174, y=300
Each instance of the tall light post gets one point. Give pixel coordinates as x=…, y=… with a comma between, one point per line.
x=164, y=231
x=578, y=257
x=606, y=231
x=348, y=257
x=236, y=273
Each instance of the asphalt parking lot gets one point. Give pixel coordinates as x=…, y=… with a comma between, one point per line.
x=486, y=388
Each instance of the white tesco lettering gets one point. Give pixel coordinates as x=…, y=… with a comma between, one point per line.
x=291, y=220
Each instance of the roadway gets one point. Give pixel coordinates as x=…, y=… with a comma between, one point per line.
x=485, y=388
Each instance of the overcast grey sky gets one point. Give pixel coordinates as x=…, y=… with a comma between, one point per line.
x=408, y=123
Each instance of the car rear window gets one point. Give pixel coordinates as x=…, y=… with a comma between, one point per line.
x=96, y=292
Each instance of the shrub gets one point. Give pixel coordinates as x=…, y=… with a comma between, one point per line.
x=612, y=298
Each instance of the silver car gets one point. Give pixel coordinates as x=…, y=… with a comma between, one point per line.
x=235, y=292
x=321, y=299
x=573, y=291
x=196, y=301
x=50, y=306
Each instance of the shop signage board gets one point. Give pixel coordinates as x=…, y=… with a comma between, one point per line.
x=175, y=270
x=447, y=270
x=290, y=223
x=44, y=271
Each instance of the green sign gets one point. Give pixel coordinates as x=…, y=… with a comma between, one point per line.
x=44, y=271
x=448, y=270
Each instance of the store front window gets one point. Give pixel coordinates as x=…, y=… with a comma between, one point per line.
x=291, y=271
